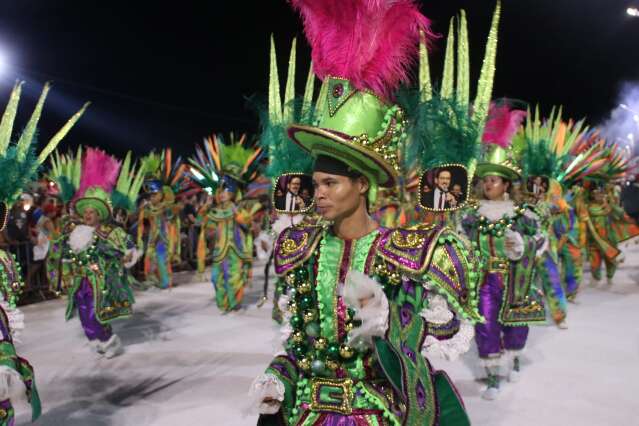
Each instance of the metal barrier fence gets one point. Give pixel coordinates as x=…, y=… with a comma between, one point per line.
x=33, y=272
x=35, y=277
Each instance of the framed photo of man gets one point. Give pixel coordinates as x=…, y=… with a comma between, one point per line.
x=537, y=187
x=444, y=188
x=293, y=193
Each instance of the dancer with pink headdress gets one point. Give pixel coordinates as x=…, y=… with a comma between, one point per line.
x=91, y=259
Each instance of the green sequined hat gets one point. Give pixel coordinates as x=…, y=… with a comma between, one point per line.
x=357, y=128
x=361, y=53
x=498, y=158
x=97, y=199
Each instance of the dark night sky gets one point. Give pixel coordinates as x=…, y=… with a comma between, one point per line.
x=168, y=73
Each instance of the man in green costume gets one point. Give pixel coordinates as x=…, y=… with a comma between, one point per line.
x=364, y=303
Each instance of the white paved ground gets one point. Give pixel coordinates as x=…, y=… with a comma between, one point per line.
x=185, y=364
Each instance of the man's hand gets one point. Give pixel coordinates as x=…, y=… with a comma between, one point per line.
x=300, y=202
x=451, y=199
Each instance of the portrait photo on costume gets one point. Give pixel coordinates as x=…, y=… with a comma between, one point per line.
x=293, y=193
x=444, y=188
x=537, y=186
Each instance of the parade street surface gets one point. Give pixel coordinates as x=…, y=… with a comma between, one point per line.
x=188, y=364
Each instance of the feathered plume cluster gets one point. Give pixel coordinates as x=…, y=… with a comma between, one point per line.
x=99, y=169
x=502, y=125
x=444, y=134
x=444, y=126
x=18, y=161
x=215, y=159
x=65, y=172
x=128, y=185
x=283, y=155
x=369, y=42
x=171, y=173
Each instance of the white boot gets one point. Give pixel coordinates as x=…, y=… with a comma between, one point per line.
x=609, y=281
x=96, y=346
x=515, y=372
x=594, y=282
x=113, y=347
x=492, y=389
x=563, y=325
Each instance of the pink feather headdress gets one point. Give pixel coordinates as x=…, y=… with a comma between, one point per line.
x=372, y=43
x=99, y=169
x=502, y=125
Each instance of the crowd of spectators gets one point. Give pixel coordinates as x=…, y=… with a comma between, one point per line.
x=34, y=220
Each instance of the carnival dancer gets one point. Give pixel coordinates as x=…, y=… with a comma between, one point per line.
x=18, y=166
x=508, y=237
x=91, y=260
x=364, y=301
x=544, y=145
x=158, y=217
x=224, y=170
x=603, y=224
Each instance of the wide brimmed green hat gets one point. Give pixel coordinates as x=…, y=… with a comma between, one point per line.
x=498, y=162
x=357, y=128
x=97, y=199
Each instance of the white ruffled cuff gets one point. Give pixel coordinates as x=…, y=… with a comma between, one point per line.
x=452, y=348
x=544, y=247
x=135, y=254
x=265, y=386
x=367, y=297
x=437, y=311
x=11, y=384
x=263, y=245
x=517, y=251
x=16, y=320
x=285, y=329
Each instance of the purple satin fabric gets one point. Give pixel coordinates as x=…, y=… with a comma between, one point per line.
x=491, y=336
x=84, y=302
x=341, y=420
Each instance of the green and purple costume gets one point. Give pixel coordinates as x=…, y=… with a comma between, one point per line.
x=389, y=382
x=94, y=275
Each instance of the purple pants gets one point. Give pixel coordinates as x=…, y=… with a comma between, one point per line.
x=9, y=420
x=492, y=336
x=86, y=311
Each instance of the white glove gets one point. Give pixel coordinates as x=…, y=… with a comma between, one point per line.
x=517, y=241
x=367, y=297
x=266, y=386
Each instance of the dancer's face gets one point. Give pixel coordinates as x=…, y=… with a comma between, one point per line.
x=156, y=197
x=91, y=217
x=225, y=196
x=336, y=196
x=495, y=187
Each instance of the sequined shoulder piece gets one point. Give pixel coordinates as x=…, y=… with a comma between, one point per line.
x=410, y=249
x=105, y=230
x=294, y=246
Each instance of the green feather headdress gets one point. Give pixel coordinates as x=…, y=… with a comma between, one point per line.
x=553, y=148
x=163, y=174
x=284, y=155
x=128, y=185
x=216, y=162
x=445, y=127
x=18, y=161
x=65, y=171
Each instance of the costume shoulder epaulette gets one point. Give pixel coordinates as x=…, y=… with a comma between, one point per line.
x=105, y=230
x=439, y=255
x=295, y=245
x=409, y=249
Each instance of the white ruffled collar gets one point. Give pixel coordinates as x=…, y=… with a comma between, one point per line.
x=495, y=210
x=81, y=237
